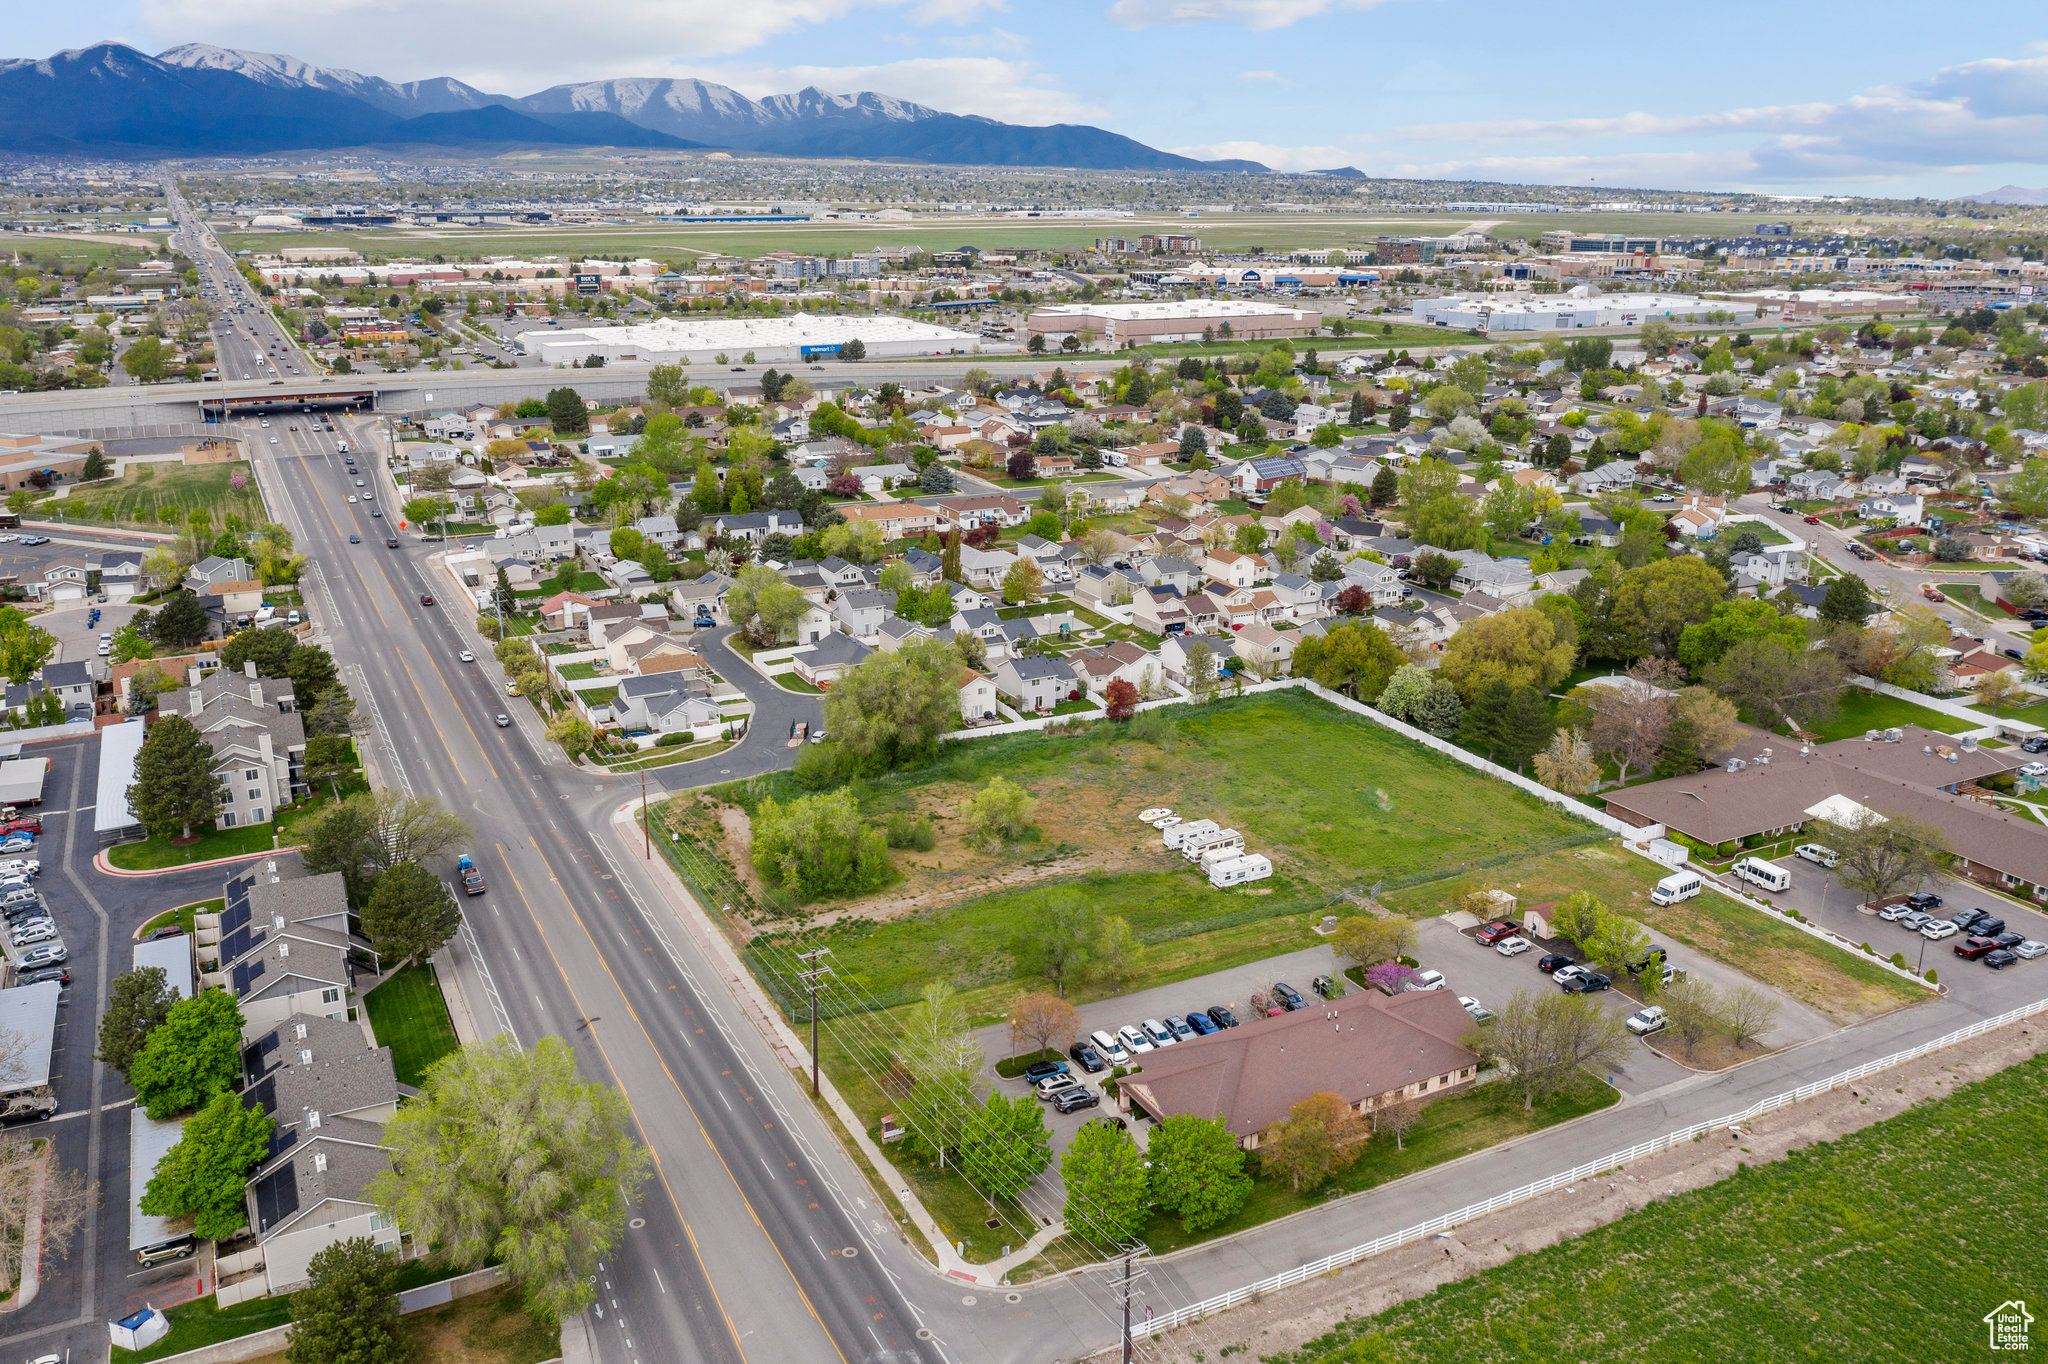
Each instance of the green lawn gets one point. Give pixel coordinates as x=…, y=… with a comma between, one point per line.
x=791, y=682
x=577, y=672
x=410, y=1017
x=2034, y=714
x=182, y=916
x=1874, y=1246
x=153, y=854
x=1453, y=1126
x=1862, y=711
x=201, y=1322
x=167, y=493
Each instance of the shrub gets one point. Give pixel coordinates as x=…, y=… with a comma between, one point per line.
x=674, y=740
x=1931, y=978
x=821, y=767
x=819, y=846
x=908, y=830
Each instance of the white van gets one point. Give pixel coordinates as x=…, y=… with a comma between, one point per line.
x=1758, y=872
x=1678, y=886
x=1818, y=853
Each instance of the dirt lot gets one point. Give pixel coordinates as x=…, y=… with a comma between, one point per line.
x=1291, y=1319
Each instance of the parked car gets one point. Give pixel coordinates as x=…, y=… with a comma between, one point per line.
x=2030, y=949
x=1111, y=1049
x=1289, y=997
x=32, y=932
x=1428, y=980
x=1971, y=948
x=1645, y=1021
x=1480, y=1013
x=1157, y=1033
x=1924, y=899
x=2034, y=743
x=1075, y=1098
x=1087, y=1057
x=2007, y=939
x=2000, y=959
x=1221, y=1016
x=1134, y=1041
x=1565, y=973
x=49, y=954
x=1891, y=914
x=1497, y=930
x=1202, y=1024
x=1937, y=929
x=1586, y=983
x=1053, y=1084
x=1181, y=1031
x=1038, y=1070
x=1916, y=921
x=1966, y=919
x=1322, y=986
x=1990, y=926
x=1513, y=947
x=1554, y=961
x=48, y=973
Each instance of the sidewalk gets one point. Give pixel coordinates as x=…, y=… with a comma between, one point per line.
x=793, y=1055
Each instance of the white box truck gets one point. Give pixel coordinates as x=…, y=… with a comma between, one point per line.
x=1758, y=872
x=1187, y=829
x=1236, y=871
x=1678, y=886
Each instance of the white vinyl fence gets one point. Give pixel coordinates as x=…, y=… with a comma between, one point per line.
x=1287, y=1278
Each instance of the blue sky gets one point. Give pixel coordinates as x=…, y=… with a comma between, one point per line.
x=1881, y=98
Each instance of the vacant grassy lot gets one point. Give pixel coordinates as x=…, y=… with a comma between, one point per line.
x=1886, y=1244
x=1837, y=983
x=167, y=494
x=410, y=1017
x=1862, y=711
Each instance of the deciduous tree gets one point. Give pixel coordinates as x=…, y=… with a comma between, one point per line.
x=1000, y=814
x=1040, y=1022
x=137, y=1001
x=1355, y=657
x=195, y=1052
x=1541, y=1042
x=348, y=1311
x=409, y=916
x=1747, y=1013
x=1568, y=765
x=818, y=846
x=1005, y=1145
x=1519, y=647
x=205, y=1174
x=1198, y=1170
x=891, y=708
x=1369, y=939
x=1107, y=1185
x=1885, y=854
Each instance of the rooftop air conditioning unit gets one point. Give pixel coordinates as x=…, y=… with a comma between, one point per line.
x=1892, y=736
x=1736, y=764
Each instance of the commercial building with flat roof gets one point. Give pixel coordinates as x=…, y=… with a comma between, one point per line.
x=1139, y=324
x=1581, y=307
x=113, y=820
x=773, y=340
x=29, y=1012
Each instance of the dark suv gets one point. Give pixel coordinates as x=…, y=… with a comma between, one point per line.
x=1990, y=926
x=1222, y=1017
x=1556, y=961
x=2034, y=743
x=1087, y=1057
x=1966, y=919
x=1924, y=901
x=1289, y=997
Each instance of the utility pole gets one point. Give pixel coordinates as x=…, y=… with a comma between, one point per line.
x=1125, y=1290
x=647, y=837
x=810, y=976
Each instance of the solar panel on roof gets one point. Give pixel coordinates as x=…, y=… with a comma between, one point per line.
x=277, y=1197
x=247, y=972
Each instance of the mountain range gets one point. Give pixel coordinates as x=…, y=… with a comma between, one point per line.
x=205, y=100
x=2018, y=195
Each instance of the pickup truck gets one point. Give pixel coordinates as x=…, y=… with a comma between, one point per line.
x=472, y=879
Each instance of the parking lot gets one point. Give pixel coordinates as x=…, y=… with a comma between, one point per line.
x=1818, y=895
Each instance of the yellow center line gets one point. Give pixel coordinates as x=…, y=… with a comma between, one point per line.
x=660, y=1170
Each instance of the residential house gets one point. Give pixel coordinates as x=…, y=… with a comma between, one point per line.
x=667, y=702
x=1232, y=568
x=1613, y=476
x=1201, y=488
x=861, y=611
x=977, y=698
x=895, y=520
x=67, y=579
x=984, y=624
x=1174, y=652
x=830, y=659
x=1816, y=485
x=282, y=947
x=74, y=686
x=1253, y=477
x=1036, y=684
x=1369, y=1049
x=660, y=530
x=1382, y=581
x=232, y=600
x=258, y=741
x=215, y=569
x=121, y=574
x=1265, y=649
x=1160, y=610
x=985, y=568
x=703, y=596
x=328, y=1095
x=969, y=513
x=566, y=610
x=1171, y=570
x=1121, y=660
x=1908, y=509
x=1765, y=570
x=751, y=526
x=1301, y=597
x=1508, y=579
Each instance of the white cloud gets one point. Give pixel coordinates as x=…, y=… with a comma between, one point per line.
x=518, y=46
x=1255, y=14
x=1271, y=154
x=1992, y=112
x=1274, y=76
x=1013, y=91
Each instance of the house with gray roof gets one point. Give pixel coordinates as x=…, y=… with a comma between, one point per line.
x=1035, y=684
x=861, y=611
x=283, y=947
x=830, y=659
x=1507, y=579
x=258, y=740
x=666, y=703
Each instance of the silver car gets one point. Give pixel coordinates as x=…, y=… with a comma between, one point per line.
x=1916, y=921
x=2030, y=949
x=1891, y=914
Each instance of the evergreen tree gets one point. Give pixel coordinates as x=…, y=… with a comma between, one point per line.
x=180, y=622
x=348, y=1311
x=410, y=915
x=137, y=1001
x=175, y=785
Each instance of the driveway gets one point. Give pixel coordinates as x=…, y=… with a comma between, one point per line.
x=766, y=745
x=75, y=639
x=1816, y=895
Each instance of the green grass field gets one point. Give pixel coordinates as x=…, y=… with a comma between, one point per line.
x=1862, y=711
x=166, y=494
x=1889, y=1243
x=410, y=1017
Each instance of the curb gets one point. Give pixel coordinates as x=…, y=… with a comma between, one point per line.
x=101, y=864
